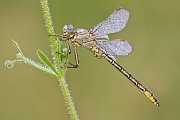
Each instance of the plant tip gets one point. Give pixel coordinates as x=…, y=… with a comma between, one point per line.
x=9, y=64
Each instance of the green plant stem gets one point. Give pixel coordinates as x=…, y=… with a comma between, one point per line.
x=68, y=98
x=49, y=23
x=62, y=71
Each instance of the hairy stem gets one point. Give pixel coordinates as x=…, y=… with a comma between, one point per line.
x=58, y=60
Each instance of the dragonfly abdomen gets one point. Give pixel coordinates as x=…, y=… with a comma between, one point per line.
x=140, y=86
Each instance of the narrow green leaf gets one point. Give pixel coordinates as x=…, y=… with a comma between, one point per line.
x=17, y=47
x=45, y=60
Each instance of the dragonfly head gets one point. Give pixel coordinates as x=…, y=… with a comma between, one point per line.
x=68, y=31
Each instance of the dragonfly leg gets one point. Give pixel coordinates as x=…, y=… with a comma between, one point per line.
x=76, y=65
x=57, y=35
x=62, y=38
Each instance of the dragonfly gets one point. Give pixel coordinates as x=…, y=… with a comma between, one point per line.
x=97, y=41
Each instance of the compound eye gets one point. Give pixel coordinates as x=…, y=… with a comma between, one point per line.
x=68, y=28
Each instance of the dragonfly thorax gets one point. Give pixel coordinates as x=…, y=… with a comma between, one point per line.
x=82, y=34
x=84, y=38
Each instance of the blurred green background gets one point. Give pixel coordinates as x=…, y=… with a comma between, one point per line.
x=100, y=92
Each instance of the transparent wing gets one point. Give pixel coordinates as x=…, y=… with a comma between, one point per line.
x=116, y=22
x=115, y=47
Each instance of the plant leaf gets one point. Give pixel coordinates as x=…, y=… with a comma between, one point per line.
x=45, y=60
